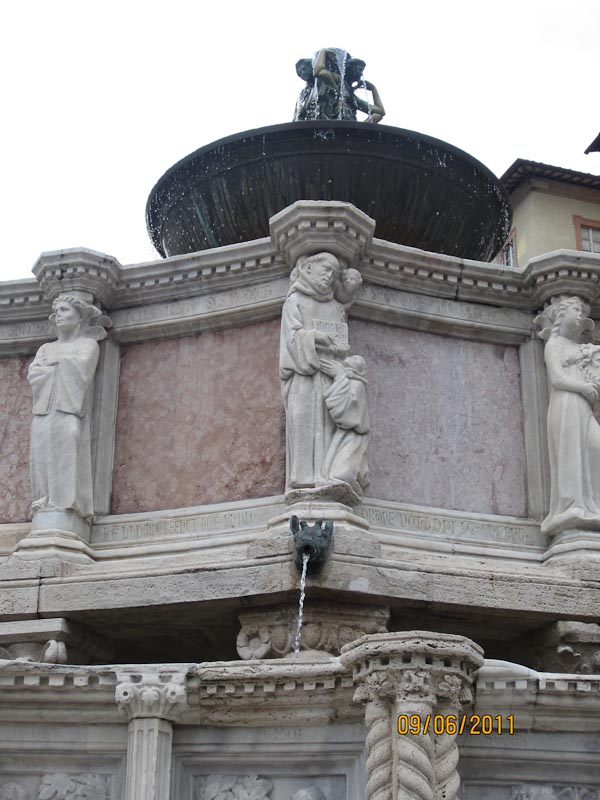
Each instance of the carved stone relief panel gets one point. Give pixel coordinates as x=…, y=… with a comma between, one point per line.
x=59, y=786
x=529, y=791
x=254, y=786
x=232, y=787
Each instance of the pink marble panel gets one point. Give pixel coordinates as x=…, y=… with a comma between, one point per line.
x=15, y=422
x=200, y=420
x=446, y=420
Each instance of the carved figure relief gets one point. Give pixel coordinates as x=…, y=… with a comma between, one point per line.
x=233, y=787
x=61, y=377
x=573, y=431
x=323, y=387
x=61, y=786
x=13, y=791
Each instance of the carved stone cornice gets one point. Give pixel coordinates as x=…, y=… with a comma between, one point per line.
x=152, y=695
x=311, y=226
x=78, y=269
x=564, y=273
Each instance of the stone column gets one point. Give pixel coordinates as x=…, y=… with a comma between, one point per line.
x=152, y=702
x=414, y=676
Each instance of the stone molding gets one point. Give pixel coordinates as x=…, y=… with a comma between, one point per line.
x=252, y=263
x=398, y=526
x=542, y=701
x=312, y=226
x=145, y=695
x=230, y=693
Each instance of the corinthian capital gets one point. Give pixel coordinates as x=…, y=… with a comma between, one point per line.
x=149, y=695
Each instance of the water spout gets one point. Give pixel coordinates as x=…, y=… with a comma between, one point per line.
x=312, y=540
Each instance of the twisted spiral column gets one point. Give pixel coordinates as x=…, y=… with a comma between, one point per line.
x=418, y=674
x=379, y=750
x=414, y=756
x=449, y=690
x=447, y=780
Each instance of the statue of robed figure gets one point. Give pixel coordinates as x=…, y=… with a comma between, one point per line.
x=323, y=388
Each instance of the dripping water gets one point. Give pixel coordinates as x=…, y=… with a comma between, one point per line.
x=341, y=56
x=305, y=560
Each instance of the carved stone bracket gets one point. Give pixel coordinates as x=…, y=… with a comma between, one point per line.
x=51, y=641
x=269, y=632
x=310, y=226
x=566, y=646
x=152, y=695
x=413, y=675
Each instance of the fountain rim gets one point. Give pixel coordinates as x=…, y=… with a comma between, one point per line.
x=153, y=228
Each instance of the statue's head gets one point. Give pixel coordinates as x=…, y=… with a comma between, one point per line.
x=565, y=316
x=318, y=271
x=312, y=793
x=357, y=364
x=74, y=314
x=354, y=70
x=304, y=69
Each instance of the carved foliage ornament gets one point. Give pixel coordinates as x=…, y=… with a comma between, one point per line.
x=61, y=786
x=233, y=787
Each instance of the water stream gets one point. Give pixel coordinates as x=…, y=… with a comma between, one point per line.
x=305, y=560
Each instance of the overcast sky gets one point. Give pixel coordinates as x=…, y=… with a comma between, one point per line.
x=99, y=99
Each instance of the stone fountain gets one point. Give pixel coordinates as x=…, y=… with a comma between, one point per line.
x=284, y=392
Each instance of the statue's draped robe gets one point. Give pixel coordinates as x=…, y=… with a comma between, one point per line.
x=573, y=445
x=309, y=426
x=346, y=457
x=60, y=450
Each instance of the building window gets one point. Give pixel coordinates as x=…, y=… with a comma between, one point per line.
x=587, y=234
x=507, y=255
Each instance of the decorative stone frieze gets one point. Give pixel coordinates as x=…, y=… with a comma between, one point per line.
x=309, y=226
x=412, y=678
x=270, y=632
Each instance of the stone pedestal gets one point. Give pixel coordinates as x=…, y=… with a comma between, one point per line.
x=413, y=685
x=574, y=548
x=152, y=702
x=56, y=535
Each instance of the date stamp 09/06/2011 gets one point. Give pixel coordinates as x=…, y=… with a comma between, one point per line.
x=450, y=724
